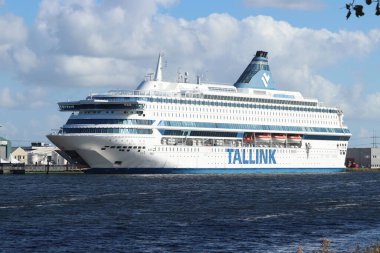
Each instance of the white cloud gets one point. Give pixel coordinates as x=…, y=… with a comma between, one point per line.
x=9, y=129
x=289, y=4
x=89, y=71
x=13, y=40
x=13, y=30
x=31, y=98
x=25, y=59
x=6, y=100
x=370, y=106
x=115, y=43
x=54, y=121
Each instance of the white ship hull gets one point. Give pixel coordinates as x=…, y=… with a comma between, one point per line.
x=137, y=154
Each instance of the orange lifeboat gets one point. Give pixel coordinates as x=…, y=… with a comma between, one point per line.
x=263, y=137
x=294, y=138
x=249, y=138
x=279, y=138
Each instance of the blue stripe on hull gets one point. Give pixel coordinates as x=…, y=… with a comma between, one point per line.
x=209, y=171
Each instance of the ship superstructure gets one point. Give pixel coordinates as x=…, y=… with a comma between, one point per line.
x=181, y=127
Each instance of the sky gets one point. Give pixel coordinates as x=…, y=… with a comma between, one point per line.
x=59, y=50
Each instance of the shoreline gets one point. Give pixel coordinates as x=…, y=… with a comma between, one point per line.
x=362, y=170
x=32, y=169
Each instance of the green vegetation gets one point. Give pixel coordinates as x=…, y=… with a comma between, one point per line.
x=359, y=9
x=362, y=170
x=325, y=247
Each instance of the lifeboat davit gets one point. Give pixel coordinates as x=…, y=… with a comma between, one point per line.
x=294, y=139
x=279, y=138
x=263, y=137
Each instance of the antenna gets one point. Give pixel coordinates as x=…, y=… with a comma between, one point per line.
x=186, y=76
x=148, y=76
x=198, y=79
x=165, y=63
x=374, y=139
x=179, y=76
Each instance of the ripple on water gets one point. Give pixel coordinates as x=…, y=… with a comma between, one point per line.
x=182, y=213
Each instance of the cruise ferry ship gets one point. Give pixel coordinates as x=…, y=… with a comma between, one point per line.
x=183, y=127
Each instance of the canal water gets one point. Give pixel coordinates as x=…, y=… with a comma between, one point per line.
x=188, y=213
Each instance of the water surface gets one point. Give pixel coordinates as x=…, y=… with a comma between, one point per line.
x=188, y=213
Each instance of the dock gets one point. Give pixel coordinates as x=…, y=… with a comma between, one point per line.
x=41, y=169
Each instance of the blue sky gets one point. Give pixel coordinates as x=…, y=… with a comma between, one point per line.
x=54, y=50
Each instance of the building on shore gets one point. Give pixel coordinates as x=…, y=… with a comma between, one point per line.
x=20, y=154
x=38, y=153
x=363, y=157
x=5, y=149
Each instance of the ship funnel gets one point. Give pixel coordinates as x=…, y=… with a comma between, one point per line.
x=257, y=74
x=158, y=74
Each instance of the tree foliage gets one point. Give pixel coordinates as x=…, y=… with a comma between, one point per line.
x=359, y=9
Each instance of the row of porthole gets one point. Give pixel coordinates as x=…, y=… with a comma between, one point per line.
x=256, y=118
x=124, y=148
x=181, y=149
x=273, y=104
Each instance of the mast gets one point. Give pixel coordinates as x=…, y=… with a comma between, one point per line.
x=158, y=74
